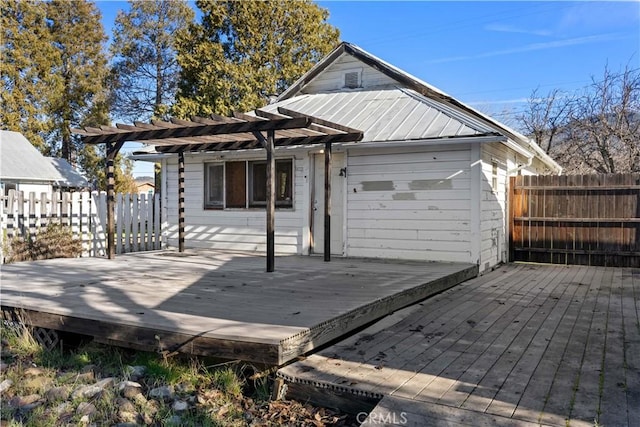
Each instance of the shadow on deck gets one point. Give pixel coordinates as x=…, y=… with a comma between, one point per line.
x=217, y=304
x=520, y=346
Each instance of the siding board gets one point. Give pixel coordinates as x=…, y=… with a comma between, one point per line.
x=410, y=203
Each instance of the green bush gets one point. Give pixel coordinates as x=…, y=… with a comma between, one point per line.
x=53, y=241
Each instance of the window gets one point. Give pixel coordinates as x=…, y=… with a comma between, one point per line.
x=213, y=187
x=494, y=175
x=243, y=184
x=258, y=191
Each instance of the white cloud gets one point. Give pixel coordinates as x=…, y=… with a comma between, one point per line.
x=502, y=28
x=534, y=47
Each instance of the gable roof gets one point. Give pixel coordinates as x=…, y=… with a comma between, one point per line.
x=21, y=161
x=68, y=176
x=464, y=120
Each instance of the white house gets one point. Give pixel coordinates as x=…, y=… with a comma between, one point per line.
x=427, y=182
x=24, y=168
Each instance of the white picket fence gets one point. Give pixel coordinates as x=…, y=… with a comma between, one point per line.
x=137, y=218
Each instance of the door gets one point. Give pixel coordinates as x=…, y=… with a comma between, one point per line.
x=337, y=204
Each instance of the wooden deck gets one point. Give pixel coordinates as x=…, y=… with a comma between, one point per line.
x=217, y=304
x=523, y=345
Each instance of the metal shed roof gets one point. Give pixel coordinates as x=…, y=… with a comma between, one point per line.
x=387, y=114
x=20, y=160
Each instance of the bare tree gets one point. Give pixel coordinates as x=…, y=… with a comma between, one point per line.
x=596, y=130
x=545, y=117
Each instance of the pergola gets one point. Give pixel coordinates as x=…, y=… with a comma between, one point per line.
x=218, y=133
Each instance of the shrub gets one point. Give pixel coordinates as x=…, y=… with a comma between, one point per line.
x=54, y=241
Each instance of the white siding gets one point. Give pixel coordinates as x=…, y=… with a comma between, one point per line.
x=409, y=203
x=332, y=78
x=233, y=229
x=493, y=205
x=35, y=188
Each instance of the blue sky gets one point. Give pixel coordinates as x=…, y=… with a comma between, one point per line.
x=490, y=55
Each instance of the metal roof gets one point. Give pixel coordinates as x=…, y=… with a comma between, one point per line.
x=387, y=114
x=68, y=176
x=20, y=160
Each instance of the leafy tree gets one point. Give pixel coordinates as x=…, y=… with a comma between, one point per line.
x=78, y=36
x=145, y=71
x=53, y=74
x=27, y=58
x=242, y=52
x=94, y=163
x=596, y=130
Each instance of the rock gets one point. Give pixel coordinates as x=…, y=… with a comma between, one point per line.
x=125, y=405
x=152, y=407
x=140, y=399
x=86, y=391
x=5, y=385
x=36, y=384
x=180, y=406
x=22, y=401
x=57, y=393
x=136, y=372
x=64, y=407
x=106, y=382
x=33, y=372
x=164, y=392
x=86, y=377
x=125, y=424
x=129, y=389
x=86, y=409
x=3, y=365
x=128, y=417
x=85, y=419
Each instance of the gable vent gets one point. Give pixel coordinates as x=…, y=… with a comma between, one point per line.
x=352, y=79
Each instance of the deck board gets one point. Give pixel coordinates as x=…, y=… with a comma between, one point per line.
x=219, y=304
x=522, y=345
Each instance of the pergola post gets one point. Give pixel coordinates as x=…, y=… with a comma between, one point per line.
x=111, y=202
x=327, y=201
x=181, y=201
x=271, y=201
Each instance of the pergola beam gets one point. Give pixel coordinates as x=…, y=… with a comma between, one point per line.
x=194, y=131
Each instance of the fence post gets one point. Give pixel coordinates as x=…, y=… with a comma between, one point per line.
x=157, y=238
x=135, y=212
x=85, y=211
x=142, y=215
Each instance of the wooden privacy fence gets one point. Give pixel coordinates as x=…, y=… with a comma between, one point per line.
x=85, y=213
x=579, y=219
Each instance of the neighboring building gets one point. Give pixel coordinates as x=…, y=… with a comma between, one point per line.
x=24, y=168
x=145, y=185
x=428, y=181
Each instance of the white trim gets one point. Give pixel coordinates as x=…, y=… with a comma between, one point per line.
x=425, y=142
